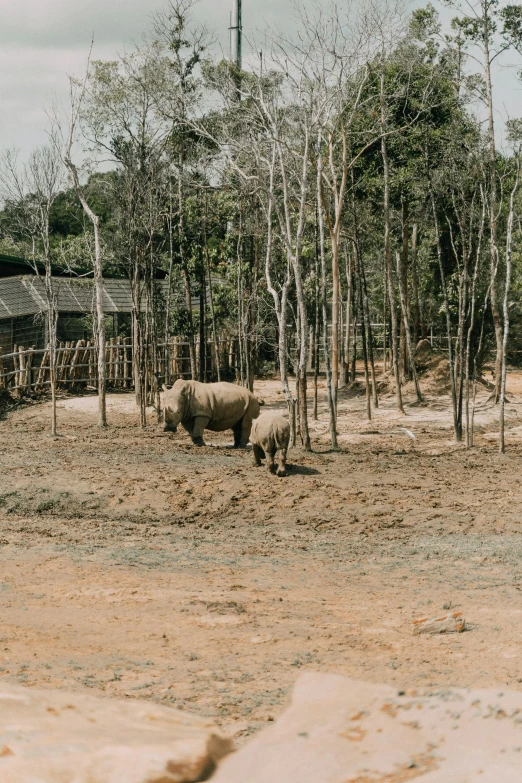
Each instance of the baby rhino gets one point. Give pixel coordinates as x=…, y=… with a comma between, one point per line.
x=270, y=433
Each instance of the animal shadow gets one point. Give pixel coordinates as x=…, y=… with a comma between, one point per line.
x=301, y=470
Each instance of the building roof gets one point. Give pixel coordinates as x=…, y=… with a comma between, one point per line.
x=12, y=266
x=25, y=295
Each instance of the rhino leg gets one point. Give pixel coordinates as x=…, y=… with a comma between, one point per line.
x=258, y=455
x=200, y=422
x=270, y=461
x=281, y=468
x=237, y=429
x=242, y=431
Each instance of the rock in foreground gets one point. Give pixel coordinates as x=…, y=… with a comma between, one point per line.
x=60, y=737
x=339, y=730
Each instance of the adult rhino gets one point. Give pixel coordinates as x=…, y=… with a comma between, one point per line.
x=210, y=406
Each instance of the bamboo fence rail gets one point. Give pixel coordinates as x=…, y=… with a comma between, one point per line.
x=27, y=369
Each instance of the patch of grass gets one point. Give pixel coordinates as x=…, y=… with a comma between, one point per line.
x=46, y=505
x=90, y=681
x=301, y=660
x=143, y=686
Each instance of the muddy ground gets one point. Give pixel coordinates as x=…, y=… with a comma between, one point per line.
x=135, y=564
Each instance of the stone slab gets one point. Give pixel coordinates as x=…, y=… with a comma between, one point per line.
x=339, y=730
x=59, y=737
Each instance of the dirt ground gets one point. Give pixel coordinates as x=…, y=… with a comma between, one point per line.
x=135, y=564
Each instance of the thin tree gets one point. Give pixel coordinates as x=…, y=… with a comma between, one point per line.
x=515, y=132
x=31, y=191
x=478, y=24
x=77, y=95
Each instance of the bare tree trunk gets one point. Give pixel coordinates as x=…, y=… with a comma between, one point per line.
x=315, y=333
x=184, y=267
x=509, y=238
x=365, y=307
x=407, y=335
x=471, y=324
x=302, y=360
x=403, y=284
x=371, y=358
x=166, y=332
x=281, y=307
x=240, y=315
x=348, y=317
x=475, y=367
x=99, y=287
x=493, y=207
x=334, y=227
x=387, y=255
x=52, y=319
x=415, y=284
x=283, y=358
x=457, y=426
x=329, y=378
x=211, y=296
x=336, y=285
x=353, y=373
x=364, y=342
x=462, y=263
x=202, y=331
x=384, y=329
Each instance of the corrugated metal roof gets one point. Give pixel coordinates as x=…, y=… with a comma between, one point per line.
x=25, y=295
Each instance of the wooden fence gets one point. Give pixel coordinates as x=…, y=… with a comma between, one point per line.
x=77, y=364
x=27, y=369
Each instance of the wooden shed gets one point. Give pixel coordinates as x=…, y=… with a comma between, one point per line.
x=23, y=304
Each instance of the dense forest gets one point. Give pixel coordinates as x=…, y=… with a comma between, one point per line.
x=337, y=199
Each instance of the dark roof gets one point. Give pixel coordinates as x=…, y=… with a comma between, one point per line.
x=25, y=295
x=12, y=266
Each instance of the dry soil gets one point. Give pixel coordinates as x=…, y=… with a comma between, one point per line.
x=135, y=564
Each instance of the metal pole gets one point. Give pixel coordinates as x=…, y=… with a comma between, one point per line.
x=237, y=33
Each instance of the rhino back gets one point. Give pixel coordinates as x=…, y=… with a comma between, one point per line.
x=224, y=403
x=271, y=431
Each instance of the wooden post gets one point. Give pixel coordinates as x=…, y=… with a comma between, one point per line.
x=21, y=367
x=85, y=360
x=80, y=371
x=15, y=365
x=110, y=360
x=174, y=358
x=67, y=362
x=59, y=362
x=29, y=368
x=229, y=355
x=117, y=361
x=42, y=371
x=127, y=359
x=92, y=360
x=68, y=370
x=177, y=362
x=123, y=359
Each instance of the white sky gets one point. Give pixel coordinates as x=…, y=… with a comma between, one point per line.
x=42, y=41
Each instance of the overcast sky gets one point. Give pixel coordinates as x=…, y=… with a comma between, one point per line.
x=42, y=41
